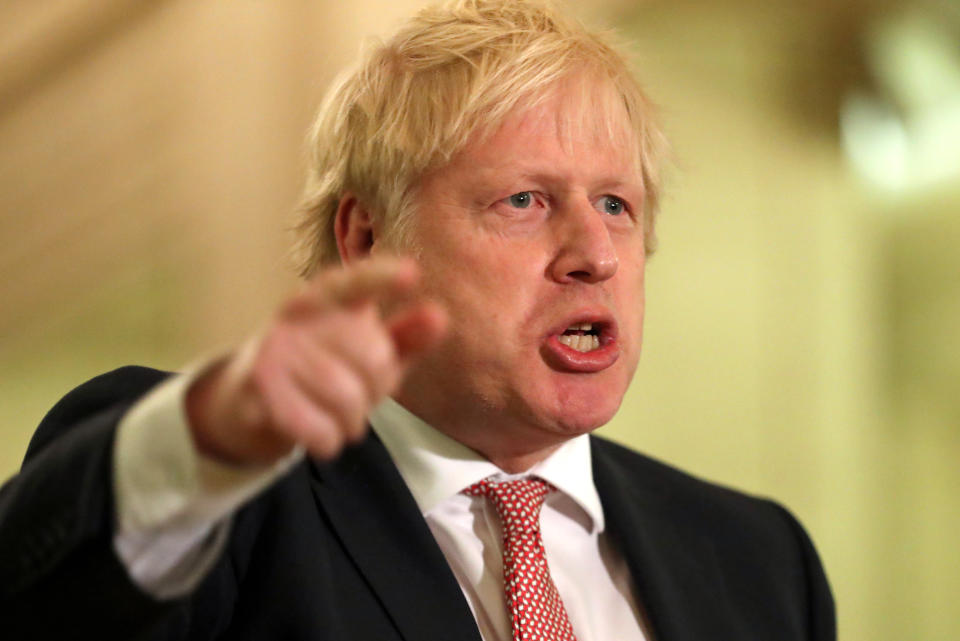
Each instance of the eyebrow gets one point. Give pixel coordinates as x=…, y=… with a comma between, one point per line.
x=616, y=183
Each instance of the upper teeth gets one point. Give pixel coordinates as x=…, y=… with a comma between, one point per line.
x=586, y=327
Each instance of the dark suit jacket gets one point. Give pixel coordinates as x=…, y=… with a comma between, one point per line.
x=340, y=551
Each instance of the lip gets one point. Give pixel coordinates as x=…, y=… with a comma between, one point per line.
x=566, y=359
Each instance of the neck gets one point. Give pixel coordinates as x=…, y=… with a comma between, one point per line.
x=519, y=463
x=511, y=446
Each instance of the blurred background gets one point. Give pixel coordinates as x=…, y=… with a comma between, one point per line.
x=803, y=335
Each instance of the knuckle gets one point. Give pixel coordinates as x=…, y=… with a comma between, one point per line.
x=262, y=377
x=326, y=443
x=301, y=420
x=341, y=395
x=354, y=399
x=382, y=356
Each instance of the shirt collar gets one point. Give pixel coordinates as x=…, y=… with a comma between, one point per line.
x=436, y=467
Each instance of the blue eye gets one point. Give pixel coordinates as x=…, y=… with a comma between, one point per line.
x=521, y=200
x=610, y=205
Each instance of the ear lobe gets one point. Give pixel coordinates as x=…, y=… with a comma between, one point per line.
x=353, y=229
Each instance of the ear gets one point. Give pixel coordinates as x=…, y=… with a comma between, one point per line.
x=353, y=229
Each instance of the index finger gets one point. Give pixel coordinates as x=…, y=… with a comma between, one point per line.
x=380, y=279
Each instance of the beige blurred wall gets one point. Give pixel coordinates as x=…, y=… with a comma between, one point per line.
x=802, y=335
x=801, y=339
x=150, y=158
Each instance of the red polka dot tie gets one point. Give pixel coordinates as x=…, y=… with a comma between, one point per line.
x=534, y=605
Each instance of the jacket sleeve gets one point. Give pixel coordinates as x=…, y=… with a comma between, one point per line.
x=58, y=570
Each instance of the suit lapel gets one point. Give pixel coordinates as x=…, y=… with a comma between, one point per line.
x=381, y=528
x=673, y=565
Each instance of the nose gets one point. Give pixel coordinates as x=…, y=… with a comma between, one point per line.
x=585, y=251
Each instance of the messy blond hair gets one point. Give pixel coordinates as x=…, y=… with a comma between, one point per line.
x=454, y=71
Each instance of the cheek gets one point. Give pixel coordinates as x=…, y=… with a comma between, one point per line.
x=632, y=297
x=487, y=274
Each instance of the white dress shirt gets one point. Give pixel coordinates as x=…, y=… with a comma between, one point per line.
x=174, y=508
x=591, y=576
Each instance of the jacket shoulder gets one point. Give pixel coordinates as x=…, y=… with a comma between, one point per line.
x=121, y=386
x=667, y=485
x=764, y=554
x=735, y=522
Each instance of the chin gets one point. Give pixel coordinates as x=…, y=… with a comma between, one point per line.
x=582, y=403
x=577, y=414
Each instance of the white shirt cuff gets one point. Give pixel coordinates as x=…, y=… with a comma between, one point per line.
x=172, y=503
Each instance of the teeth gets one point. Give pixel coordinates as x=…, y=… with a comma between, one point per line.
x=584, y=327
x=580, y=342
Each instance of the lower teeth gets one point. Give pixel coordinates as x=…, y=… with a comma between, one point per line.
x=580, y=342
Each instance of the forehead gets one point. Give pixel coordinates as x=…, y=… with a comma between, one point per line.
x=568, y=120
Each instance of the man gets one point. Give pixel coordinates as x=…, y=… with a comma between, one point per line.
x=487, y=180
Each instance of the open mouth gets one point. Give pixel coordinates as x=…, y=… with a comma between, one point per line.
x=587, y=344
x=583, y=337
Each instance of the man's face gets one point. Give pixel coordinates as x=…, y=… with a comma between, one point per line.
x=533, y=242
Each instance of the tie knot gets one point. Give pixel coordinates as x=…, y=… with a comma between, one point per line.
x=517, y=502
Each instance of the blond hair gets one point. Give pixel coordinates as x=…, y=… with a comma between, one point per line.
x=453, y=71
